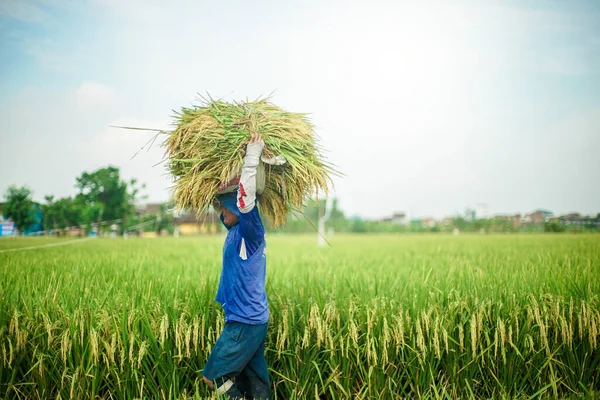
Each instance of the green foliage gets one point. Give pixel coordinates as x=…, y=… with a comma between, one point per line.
x=103, y=196
x=61, y=213
x=104, y=192
x=427, y=316
x=165, y=221
x=554, y=227
x=153, y=222
x=19, y=207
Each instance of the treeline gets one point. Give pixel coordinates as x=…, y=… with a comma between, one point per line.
x=104, y=201
x=338, y=222
x=107, y=203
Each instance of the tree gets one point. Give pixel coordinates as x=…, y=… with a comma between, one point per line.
x=461, y=223
x=133, y=196
x=104, y=191
x=19, y=207
x=61, y=213
x=103, y=196
x=165, y=219
x=49, y=221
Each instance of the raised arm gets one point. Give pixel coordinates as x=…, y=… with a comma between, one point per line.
x=246, y=198
x=251, y=226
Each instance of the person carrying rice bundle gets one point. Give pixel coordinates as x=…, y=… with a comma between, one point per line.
x=239, y=351
x=281, y=167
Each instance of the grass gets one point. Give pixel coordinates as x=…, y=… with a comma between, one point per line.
x=506, y=316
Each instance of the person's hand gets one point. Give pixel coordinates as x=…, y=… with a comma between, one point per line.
x=254, y=149
x=255, y=138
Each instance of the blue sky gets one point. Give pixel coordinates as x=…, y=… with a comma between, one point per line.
x=428, y=107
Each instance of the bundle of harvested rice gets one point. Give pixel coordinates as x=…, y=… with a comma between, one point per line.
x=207, y=147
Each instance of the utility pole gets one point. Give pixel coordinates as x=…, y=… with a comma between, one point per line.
x=323, y=219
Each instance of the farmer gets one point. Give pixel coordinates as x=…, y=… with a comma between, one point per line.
x=237, y=365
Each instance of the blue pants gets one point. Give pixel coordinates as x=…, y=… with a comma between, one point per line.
x=240, y=354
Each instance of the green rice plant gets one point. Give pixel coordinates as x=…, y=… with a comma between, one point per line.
x=509, y=316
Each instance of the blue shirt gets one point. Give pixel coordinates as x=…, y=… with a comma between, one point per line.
x=242, y=285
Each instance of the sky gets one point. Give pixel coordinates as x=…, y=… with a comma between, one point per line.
x=427, y=107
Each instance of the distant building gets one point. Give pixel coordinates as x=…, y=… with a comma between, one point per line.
x=573, y=219
x=596, y=221
x=578, y=220
x=428, y=222
x=513, y=220
x=535, y=218
x=477, y=211
x=399, y=218
x=187, y=224
x=7, y=227
x=150, y=208
x=547, y=213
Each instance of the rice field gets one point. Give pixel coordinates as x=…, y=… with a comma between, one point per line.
x=372, y=317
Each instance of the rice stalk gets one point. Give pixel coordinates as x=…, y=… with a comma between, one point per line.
x=207, y=147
